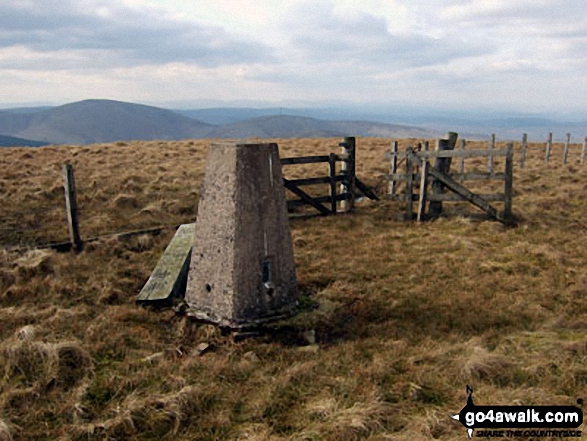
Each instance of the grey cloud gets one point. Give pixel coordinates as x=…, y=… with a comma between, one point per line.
x=137, y=36
x=365, y=41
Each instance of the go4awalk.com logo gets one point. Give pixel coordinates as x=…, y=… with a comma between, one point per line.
x=519, y=421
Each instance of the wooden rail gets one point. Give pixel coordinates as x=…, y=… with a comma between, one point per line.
x=342, y=187
x=418, y=169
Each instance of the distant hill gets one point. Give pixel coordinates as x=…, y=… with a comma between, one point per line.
x=94, y=121
x=288, y=126
x=11, y=141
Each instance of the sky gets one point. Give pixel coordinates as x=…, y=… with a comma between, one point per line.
x=523, y=55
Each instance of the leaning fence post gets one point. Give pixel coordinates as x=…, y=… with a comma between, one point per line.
x=490, y=159
x=566, y=152
x=443, y=166
x=584, y=151
x=348, y=169
x=332, y=165
x=523, y=153
x=548, y=148
x=409, y=184
x=71, y=206
x=509, y=182
x=393, y=168
x=423, y=190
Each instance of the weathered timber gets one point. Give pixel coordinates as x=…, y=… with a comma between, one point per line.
x=449, y=197
x=566, y=151
x=368, y=192
x=471, y=176
x=484, y=153
x=509, y=183
x=332, y=182
x=348, y=169
x=490, y=158
x=314, y=181
x=305, y=197
x=393, y=167
x=409, y=186
x=71, y=207
x=468, y=195
x=441, y=165
x=169, y=278
x=423, y=191
x=305, y=160
x=548, y=148
x=523, y=152
x=584, y=151
x=462, y=144
x=292, y=203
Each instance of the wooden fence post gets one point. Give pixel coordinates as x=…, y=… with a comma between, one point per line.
x=442, y=165
x=584, y=151
x=566, y=152
x=409, y=185
x=332, y=165
x=393, y=167
x=509, y=182
x=523, y=152
x=548, y=148
x=423, y=190
x=348, y=169
x=426, y=145
x=462, y=158
x=71, y=206
x=490, y=159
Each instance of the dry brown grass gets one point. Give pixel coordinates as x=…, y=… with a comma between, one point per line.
x=407, y=314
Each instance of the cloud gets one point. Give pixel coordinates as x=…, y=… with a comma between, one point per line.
x=319, y=34
x=129, y=35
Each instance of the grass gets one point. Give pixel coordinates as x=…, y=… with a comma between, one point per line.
x=403, y=322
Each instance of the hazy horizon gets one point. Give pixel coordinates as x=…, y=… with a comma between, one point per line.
x=525, y=56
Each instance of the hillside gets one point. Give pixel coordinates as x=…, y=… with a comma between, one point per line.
x=93, y=121
x=405, y=315
x=289, y=126
x=11, y=141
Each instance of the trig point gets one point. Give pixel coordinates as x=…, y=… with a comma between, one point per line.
x=242, y=268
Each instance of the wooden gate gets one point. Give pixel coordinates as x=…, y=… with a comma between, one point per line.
x=342, y=187
x=420, y=174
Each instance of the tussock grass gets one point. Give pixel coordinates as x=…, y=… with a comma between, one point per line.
x=404, y=315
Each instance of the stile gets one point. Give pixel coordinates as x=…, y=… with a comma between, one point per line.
x=509, y=183
x=523, y=152
x=71, y=206
x=566, y=152
x=548, y=148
